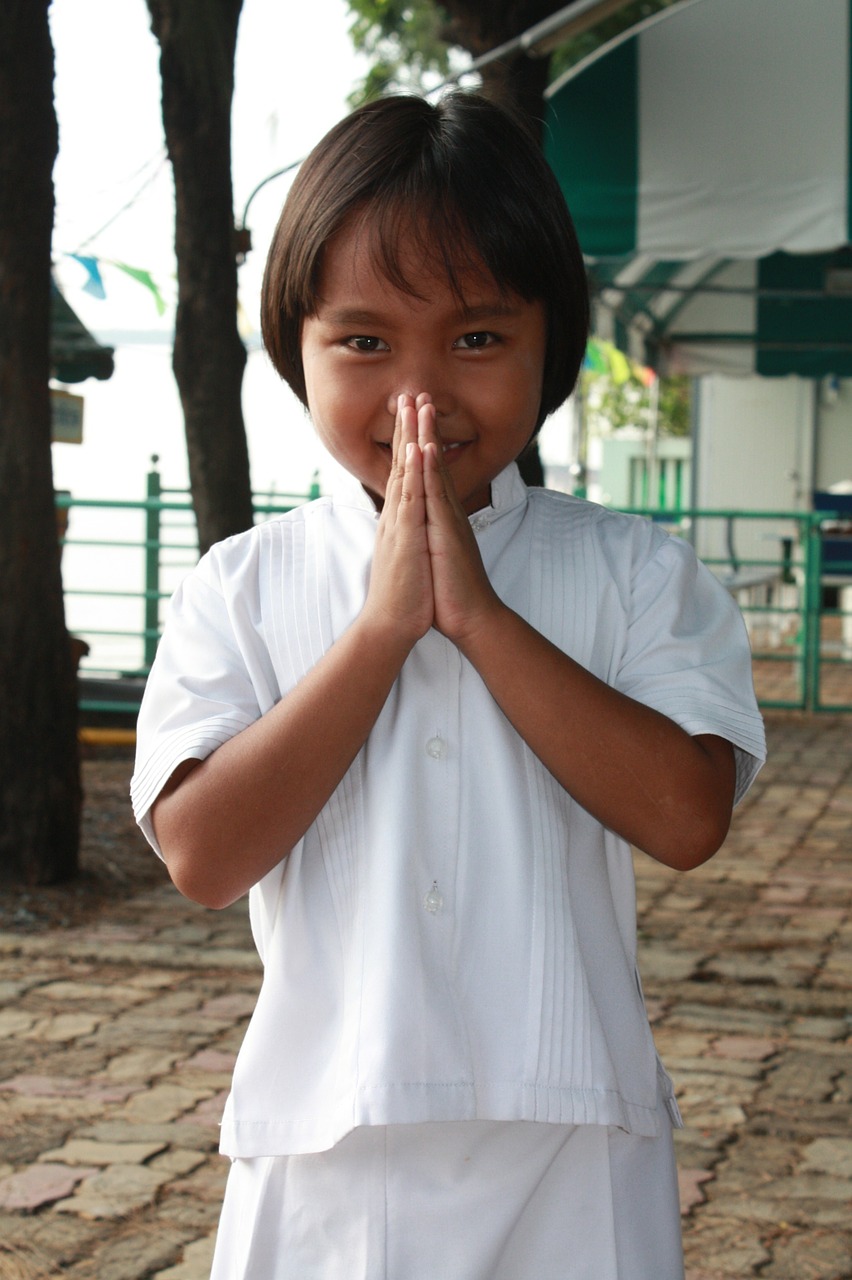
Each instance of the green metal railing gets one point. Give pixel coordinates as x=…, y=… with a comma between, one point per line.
x=785, y=598
x=162, y=549
x=797, y=605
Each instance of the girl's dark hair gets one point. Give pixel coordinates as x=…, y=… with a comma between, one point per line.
x=470, y=181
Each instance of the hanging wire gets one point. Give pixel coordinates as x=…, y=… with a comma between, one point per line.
x=152, y=177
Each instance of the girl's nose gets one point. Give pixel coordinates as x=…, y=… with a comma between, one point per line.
x=441, y=395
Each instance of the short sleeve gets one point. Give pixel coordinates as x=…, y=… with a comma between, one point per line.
x=687, y=655
x=199, y=694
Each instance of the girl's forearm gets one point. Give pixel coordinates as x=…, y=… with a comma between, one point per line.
x=223, y=823
x=632, y=768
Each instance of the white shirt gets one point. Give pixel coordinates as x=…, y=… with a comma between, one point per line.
x=454, y=937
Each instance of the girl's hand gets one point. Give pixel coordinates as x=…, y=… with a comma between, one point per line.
x=464, y=599
x=400, y=591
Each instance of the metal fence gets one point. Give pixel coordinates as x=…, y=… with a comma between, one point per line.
x=790, y=573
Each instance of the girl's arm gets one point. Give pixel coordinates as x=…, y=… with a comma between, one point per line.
x=223, y=823
x=631, y=767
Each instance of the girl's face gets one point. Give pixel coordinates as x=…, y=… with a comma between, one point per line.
x=480, y=361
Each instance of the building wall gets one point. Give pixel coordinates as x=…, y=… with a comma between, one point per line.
x=754, y=450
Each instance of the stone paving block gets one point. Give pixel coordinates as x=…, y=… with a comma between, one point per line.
x=150, y=1248
x=690, y=1187
x=45, y=1243
x=89, y=1152
x=115, y=1192
x=92, y=993
x=733, y=1248
x=63, y=1087
x=205, y=1184
x=171, y=1003
x=161, y=1103
x=25, y=1110
x=63, y=1026
x=752, y=1207
x=194, y=1137
x=718, y=1019
x=661, y=964
x=744, y=1048
x=802, y=1076
x=829, y=1155
x=709, y=1065
x=208, y=1112
x=810, y=1255
x=228, y=1008
x=15, y=1022
x=209, y=1060
x=195, y=1263
x=820, y=1028
x=140, y=1065
x=178, y=1162
x=40, y=1184
x=799, y=1119
x=152, y=979
x=810, y=1186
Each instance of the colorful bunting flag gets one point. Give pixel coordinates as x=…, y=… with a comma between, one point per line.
x=144, y=278
x=604, y=358
x=95, y=285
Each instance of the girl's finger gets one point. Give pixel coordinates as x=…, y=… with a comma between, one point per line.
x=405, y=431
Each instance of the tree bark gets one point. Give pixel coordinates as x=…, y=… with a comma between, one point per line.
x=517, y=80
x=39, y=763
x=197, y=46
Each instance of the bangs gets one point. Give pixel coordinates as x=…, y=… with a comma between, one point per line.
x=411, y=246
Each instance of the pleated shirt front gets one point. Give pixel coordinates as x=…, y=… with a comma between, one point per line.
x=454, y=937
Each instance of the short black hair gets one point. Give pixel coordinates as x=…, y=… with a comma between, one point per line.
x=470, y=179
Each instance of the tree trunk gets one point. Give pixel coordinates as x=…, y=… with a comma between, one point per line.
x=39, y=764
x=517, y=80
x=197, y=46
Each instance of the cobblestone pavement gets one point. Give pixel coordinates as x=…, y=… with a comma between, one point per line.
x=117, y=1039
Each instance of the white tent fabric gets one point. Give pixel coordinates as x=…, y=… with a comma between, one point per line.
x=715, y=133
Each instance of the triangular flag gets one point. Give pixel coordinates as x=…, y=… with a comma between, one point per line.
x=619, y=367
x=94, y=285
x=145, y=278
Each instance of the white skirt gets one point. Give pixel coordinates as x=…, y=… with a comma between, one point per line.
x=471, y=1200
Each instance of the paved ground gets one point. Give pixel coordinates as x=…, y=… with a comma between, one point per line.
x=117, y=1038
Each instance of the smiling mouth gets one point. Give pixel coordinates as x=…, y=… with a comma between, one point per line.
x=451, y=447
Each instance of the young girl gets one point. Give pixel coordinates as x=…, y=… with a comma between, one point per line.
x=422, y=722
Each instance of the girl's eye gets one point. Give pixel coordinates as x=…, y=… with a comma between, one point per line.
x=475, y=341
x=362, y=342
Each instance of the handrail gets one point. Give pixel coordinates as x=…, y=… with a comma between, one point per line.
x=780, y=595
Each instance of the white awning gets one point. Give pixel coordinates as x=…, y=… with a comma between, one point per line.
x=705, y=155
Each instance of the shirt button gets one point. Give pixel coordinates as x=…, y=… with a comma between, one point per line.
x=434, y=899
x=480, y=522
x=436, y=748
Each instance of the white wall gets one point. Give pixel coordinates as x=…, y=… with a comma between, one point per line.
x=754, y=451
x=834, y=434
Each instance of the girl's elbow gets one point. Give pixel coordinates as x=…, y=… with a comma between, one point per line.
x=696, y=842
x=193, y=879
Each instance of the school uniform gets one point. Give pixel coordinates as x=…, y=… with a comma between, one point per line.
x=453, y=939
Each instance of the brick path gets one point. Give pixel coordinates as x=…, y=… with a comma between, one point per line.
x=117, y=1040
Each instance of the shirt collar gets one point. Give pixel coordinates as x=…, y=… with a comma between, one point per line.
x=507, y=491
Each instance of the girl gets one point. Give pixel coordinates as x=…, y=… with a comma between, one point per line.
x=422, y=722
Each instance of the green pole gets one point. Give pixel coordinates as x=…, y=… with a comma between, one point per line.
x=152, y=562
x=813, y=600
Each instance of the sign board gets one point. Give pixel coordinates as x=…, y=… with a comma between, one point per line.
x=66, y=417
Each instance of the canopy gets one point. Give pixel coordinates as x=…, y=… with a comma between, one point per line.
x=705, y=155
x=74, y=353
